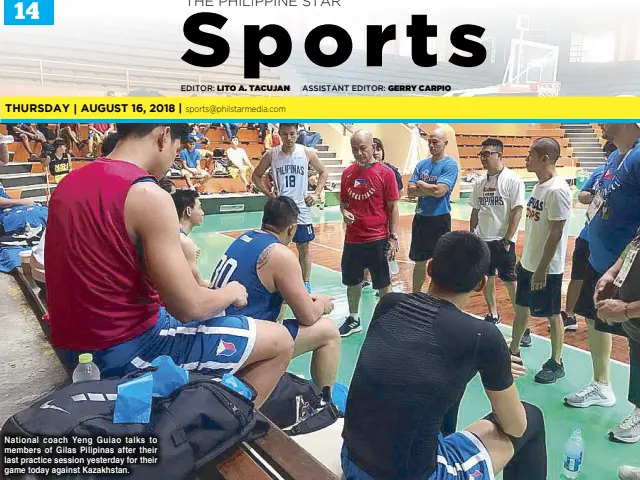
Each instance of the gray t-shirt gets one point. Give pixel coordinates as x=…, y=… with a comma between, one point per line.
x=630, y=291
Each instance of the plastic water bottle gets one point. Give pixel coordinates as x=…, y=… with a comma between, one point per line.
x=86, y=369
x=6, y=139
x=394, y=268
x=573, y=451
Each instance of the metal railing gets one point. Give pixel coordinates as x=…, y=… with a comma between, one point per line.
x=126, y=80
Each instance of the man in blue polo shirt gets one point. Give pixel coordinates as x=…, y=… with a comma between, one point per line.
x=432, y=182
x=190, y=158
x=614, y=218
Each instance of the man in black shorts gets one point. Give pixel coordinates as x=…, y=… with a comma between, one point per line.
x=580, y=258
x=497, y=201
x=432, y=182
x=369, y=206
x=541, y=266
x=613, y=218
x=420, y=353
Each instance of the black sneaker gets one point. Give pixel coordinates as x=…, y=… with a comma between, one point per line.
x=490, y=318
x=570, y=323
x=350, y=326
x=526, y=338
x=551, y=371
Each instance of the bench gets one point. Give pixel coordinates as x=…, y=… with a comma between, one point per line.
x=273, y=456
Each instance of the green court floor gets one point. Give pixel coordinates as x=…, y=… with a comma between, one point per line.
x=602, y=458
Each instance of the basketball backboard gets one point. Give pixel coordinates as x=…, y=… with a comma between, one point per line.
x=531, y=62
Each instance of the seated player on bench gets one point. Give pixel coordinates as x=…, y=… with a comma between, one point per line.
x=120, y=287
x=420, y=353
x=190, y=215
x=262, y=262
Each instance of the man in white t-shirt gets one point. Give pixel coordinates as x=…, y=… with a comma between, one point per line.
x=497, y=201
x=240, y=164
x=541, y=266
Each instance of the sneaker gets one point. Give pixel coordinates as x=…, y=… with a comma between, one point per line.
x=570, y=322
x=308, y=287
x=350, y=326
x=526, y=338
x=629, y=473
x=593, y=394
x=490, y=318
x=629, y=430
x=551, y=371
x=365, y=284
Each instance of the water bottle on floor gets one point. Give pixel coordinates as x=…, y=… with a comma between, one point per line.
x=86, y=369
x=573, y=451
x=394, y=268
x=6, y=139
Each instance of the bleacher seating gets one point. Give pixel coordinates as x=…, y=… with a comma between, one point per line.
x=516, y=147
x=29, y=180
x=77, y=65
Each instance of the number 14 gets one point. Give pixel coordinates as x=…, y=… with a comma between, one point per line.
x=32, y=11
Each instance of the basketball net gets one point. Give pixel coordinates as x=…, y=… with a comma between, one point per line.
x=548, y=89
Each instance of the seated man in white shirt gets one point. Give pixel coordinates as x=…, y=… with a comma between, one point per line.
x=240, y=164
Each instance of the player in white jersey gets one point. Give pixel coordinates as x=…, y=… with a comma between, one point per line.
x=289, y=164
x=541, y=267
x=497, y=202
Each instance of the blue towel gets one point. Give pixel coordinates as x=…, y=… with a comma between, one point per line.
x=15, y=219
x=135, y=397
x=10, y=258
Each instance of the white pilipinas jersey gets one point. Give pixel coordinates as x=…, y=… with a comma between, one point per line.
x=291, y=174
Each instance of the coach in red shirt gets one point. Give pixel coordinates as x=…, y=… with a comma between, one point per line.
x=369, y=204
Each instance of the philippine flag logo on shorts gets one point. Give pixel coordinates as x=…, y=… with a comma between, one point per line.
x=226, y=349
x=476, y=474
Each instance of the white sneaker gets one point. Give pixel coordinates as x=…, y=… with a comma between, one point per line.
x=594, y=394
x=629, y=429
x=629, y=473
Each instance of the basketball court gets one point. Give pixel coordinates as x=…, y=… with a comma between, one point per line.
x=602, y=458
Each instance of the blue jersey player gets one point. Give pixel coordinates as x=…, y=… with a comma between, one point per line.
x=261, y=261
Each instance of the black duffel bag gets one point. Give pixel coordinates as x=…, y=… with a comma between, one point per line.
x=298, y=407
x=193, y=425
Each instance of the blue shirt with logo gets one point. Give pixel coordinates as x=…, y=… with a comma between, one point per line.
x=191, y=158
x=445, y=171
x=595, y=176
x=620, y=186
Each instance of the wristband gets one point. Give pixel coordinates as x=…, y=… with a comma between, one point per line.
x=626, y=314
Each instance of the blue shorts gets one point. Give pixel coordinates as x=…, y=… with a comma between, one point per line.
x=461, y=456
x=219, y=345
x=293, y=326
x=304, y=234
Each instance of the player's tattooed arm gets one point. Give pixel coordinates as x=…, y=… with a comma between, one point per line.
x=265, y=255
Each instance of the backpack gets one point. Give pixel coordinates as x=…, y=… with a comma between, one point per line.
x=298, y=407
x=193, y=425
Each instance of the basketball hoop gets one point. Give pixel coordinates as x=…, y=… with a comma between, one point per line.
x=548, y=89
